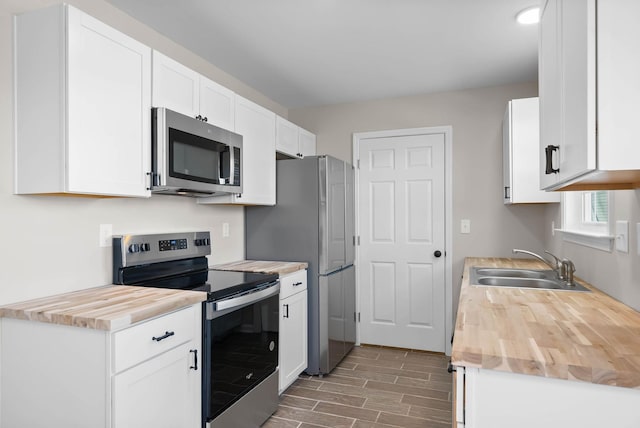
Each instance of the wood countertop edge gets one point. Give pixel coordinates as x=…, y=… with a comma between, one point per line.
x=263, y=266
x=603, y=373
x=112, y=315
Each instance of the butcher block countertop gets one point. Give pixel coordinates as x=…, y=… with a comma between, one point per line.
x=280, y=268
x=582, y=336
x=103, y=308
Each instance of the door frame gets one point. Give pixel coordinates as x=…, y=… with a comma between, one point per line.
x=448, y=214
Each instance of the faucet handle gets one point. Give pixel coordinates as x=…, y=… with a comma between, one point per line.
x=568, y=268
x=558, y=261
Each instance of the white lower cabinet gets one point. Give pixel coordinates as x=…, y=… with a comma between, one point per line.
x=293, y=328
x=157, y=393
x=494, y=399
x=147, y=375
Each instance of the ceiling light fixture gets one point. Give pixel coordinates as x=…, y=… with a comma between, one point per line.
x=529, y=16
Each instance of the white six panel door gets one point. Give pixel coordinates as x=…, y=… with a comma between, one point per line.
x=402, y=225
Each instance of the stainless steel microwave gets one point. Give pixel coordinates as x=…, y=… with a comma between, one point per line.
x=191, y=157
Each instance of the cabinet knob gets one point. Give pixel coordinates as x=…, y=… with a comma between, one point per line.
x=206, y=119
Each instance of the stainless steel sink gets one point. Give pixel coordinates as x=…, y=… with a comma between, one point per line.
x=516, y=273
x=520, y=278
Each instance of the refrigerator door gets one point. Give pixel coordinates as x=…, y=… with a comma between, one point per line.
x=349, y=214
x=332, y=189
x=337, y=317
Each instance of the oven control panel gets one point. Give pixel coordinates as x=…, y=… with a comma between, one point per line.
x=172, y=244
x=131, y=250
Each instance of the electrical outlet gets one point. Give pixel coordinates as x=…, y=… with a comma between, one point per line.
x=225, y=230
x=106, y=235
x=622, y=236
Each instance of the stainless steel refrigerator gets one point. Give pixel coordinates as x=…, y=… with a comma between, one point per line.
x=313, y=221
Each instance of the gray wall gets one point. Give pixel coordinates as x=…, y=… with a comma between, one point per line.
x=476, y=118
x=615, y=273
x=50, y=244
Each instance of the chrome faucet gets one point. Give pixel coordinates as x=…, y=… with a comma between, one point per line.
x=564, y=268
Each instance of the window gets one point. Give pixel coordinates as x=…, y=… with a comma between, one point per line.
x=585, y=218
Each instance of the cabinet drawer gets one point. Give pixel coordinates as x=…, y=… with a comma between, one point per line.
x=293, y=283
x=148, y=339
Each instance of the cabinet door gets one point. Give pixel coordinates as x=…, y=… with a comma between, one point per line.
x=307, y=143
x=161, y=392
x=578, y=77
x=109, y=100
x=257, y=126
x=175, y=86
x=506, y=155
x=293, y=338
x=287, y=137
x=550, y=91
x=217, y=104
x=522, y=132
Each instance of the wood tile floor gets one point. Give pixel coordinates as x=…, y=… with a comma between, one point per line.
x=372, y=387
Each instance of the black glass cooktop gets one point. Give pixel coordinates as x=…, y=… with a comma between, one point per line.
x=194, y=274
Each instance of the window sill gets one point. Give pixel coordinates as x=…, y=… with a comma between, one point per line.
x=593, y=240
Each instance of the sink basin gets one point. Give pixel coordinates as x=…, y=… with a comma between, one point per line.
x=520, y=278
x=516, y=273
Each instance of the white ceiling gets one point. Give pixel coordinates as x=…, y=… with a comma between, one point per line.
x=316, y=52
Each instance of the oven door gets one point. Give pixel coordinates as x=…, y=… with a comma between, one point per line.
x=240, y=347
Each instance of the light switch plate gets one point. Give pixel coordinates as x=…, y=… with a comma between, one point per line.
x=622, y=236
x=225, y=230
x=465, y=226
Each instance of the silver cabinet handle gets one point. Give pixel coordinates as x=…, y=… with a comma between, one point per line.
x=247, y=298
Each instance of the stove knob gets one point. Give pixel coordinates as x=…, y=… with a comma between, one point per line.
x=198, y=242
x=134, y=248
x=207, y=241
x=144, y=247
x=147, y=247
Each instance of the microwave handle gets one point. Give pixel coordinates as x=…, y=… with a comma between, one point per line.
x=231, y=164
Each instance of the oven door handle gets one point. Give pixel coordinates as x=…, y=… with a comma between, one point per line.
x=247, y=299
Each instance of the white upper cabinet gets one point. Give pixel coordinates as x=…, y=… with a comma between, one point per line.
x=520, y=136
x=181, y=89
x=294, y=141
x=307, y=143
x=589, y=142
x=82, y=110
x=257, y=126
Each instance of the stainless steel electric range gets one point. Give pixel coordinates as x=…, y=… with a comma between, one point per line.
x=240, y=321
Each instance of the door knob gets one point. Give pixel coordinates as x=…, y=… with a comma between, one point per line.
x=437, y=253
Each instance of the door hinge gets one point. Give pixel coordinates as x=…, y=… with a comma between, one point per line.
x=358, y=316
